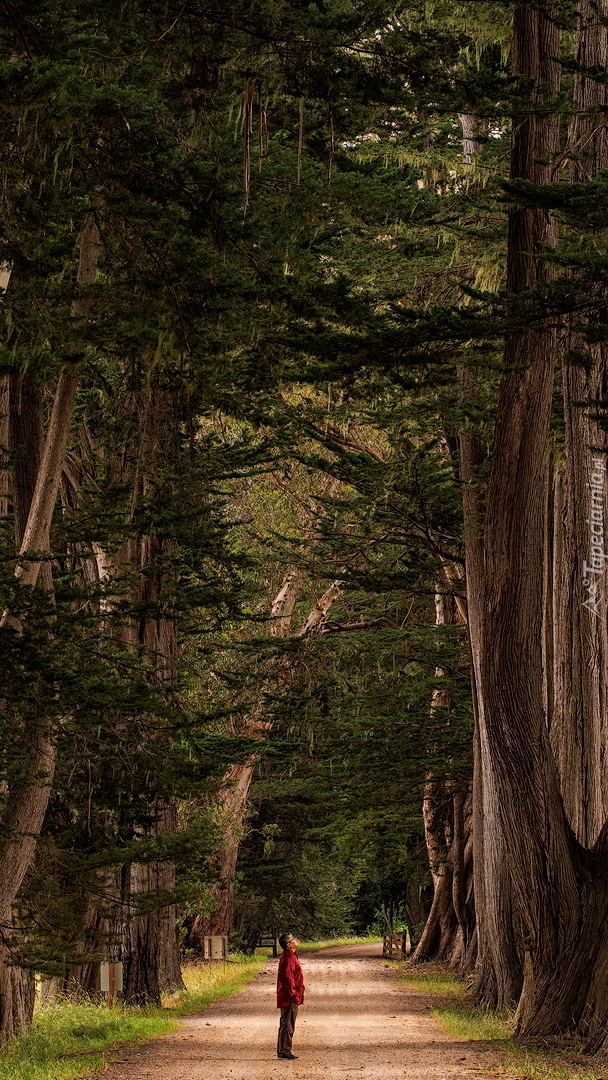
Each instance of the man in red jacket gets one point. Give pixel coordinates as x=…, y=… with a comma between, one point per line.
x=290, y=994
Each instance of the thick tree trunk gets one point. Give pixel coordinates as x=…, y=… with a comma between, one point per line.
x=494, y=963
x=417, y=909
x=579, y=724
x=151, y=946
x=17, y=993
x=94, y=937
x=559, y=895
x=36, y=478
x=450, y=923
x=169, y=964
x=578, y=642
x=439, y=939
x=515, y=755
x=141, y=940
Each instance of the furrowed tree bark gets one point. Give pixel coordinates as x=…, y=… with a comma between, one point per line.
x=149, y=947
x=579, y=727
x=491, y=957
x=556, y=906
x=495, y=963
x=515, y=751
x=577, y=622
x=449, y=926
x=17, y=992
x=542, y=752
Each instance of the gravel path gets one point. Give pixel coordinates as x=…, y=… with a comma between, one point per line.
x=357, y=1021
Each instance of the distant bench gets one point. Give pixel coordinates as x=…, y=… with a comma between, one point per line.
x=393, y=943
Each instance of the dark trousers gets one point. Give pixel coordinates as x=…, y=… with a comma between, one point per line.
x=286, y=1026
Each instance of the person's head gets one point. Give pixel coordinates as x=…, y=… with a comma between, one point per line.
x=288, y=942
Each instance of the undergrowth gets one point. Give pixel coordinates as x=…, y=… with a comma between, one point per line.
x=462, y=1020
x=70, y=1039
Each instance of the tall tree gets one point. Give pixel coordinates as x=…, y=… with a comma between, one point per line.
x=557, y=906
x=576, y=630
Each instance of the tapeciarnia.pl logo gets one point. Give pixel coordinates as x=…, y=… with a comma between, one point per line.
x=594, y=569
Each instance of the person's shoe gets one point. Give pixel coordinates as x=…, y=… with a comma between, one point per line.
x=288, y=1057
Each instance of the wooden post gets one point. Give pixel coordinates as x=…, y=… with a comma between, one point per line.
x=111, y=984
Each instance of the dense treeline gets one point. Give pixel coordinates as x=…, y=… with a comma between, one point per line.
x=303, y=386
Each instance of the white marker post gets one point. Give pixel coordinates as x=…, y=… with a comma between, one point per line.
x=110, y=979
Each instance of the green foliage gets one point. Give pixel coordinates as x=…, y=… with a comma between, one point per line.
x=69, y=1037
x=346, y=795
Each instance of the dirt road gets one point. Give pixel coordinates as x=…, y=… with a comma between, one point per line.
x=357, y=1021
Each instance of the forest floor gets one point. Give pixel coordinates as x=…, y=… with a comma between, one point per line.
x=358, y=1020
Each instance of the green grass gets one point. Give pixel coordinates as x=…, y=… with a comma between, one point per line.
x=329, y=942
x=549, y=1065
x=206, y=983
x=436, y=983
x=66, y=1039
x=467, y=1022
x=463, y=1021
x=70, y=1040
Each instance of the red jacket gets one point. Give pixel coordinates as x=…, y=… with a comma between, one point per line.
x=290, y=981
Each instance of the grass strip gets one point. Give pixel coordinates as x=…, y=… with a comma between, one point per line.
x=206, y=983
x=67, y=1039
x=308, y=946
x=461, y=1019
x=70, y=1040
